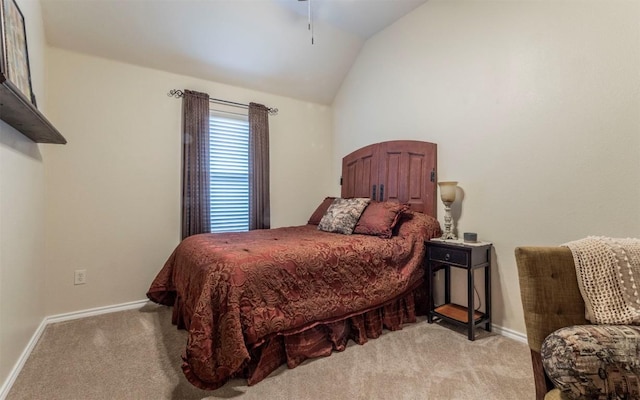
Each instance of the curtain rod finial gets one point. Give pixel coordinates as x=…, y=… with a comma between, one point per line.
x=175, y=93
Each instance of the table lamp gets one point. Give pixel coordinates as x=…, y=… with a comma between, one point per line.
x=448, y=196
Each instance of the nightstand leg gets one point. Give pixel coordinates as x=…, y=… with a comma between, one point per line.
x=447, y=284
x=487, y=294
x=430, y=299
x=470, y=298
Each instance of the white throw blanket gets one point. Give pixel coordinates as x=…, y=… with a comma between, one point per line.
x=608, y=272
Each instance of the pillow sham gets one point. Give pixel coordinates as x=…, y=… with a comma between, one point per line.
x=320, y=211
x=412, y=222
x=342, y=215
x=379, y=219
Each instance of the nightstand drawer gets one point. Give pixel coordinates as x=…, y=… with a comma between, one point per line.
x=453, y=256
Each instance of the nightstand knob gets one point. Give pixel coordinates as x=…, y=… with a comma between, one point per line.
x=447, y=257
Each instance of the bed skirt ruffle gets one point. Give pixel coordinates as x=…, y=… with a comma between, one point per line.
x=318, y=339
x=321, y=339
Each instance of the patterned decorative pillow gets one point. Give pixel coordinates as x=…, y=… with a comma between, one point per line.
x=320, y=211
x=594, y=361
x=342, y=215
x=379, y=218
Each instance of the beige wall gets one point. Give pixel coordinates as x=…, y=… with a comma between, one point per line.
x=22, y=210
x=535, y=107
x=113, y=192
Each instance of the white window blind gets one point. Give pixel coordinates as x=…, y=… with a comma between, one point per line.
x=229, y=183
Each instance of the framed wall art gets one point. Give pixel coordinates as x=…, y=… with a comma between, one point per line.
x=15, y=56
x=18, y=107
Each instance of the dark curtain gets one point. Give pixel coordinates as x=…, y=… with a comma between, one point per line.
x=195, y=164
x=259, y=204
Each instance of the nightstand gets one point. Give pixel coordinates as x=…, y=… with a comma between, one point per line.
x=447, y=254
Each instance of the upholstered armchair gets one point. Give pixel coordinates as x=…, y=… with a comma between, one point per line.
x=551, y=300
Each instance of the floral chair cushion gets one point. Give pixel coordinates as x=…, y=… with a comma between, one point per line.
x=594, y=361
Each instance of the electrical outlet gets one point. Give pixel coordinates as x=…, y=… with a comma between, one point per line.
x=80, y=277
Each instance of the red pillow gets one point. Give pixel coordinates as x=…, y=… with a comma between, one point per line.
x=378, y=219
x=320, y=211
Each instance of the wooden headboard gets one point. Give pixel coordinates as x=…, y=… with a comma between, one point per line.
x=398, y=170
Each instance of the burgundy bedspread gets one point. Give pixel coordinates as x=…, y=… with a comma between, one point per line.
x=238, y=292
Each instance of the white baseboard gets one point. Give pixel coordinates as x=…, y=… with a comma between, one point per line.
x=13, y=374
x=510, y=333
x=132, y=305
x=6, y=386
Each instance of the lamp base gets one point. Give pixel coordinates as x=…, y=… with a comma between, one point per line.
x=448, y=233
x=448, y=236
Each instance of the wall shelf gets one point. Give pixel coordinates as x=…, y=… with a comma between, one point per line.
x=16, y=111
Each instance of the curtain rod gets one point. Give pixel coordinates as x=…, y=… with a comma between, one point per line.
x=177, y=93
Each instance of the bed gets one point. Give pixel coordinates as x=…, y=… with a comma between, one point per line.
x=255, y=300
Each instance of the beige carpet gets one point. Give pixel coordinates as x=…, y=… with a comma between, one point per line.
x=136, y=355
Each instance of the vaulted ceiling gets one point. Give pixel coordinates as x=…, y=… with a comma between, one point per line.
x=263, y=45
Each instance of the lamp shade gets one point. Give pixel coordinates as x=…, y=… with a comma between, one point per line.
x=448, y=191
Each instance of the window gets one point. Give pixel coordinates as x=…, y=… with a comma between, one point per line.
x=229, y=173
